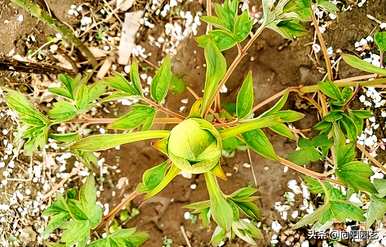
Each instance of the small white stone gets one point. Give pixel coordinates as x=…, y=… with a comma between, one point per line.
x=187, y=215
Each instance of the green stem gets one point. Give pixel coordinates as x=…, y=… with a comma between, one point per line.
x=35, y=10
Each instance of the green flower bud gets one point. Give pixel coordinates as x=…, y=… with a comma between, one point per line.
x=194, y=146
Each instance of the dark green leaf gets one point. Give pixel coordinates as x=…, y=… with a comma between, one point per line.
x=301, y=7
x=289, y=29
x=304, y=156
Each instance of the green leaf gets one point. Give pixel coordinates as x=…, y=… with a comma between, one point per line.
x=82, y=97
x=313, y=185
x=96, y=90
x=134, y=77
x=139, y=115
x=67, y=137
x=60, y=91
x=215, y=21
x=278, y=105
x=301, y=7
x=75, y=231
x=245, y=98
x=177, y=85
x=161, y=81
x=62, y=111
x=258, y=142
x=349, y=127
x=19, y=103
x=362, y=114
x=333, y=211
x=328, y=6
x=380, y=41
x=250, y=124
x=170, y=175
x=304, y=156
x=356, y=174
x=103, y=142
x=152, y=177
x=376, y=210
x=288, y=115
x=231, y=144
x=243, y=194
x=87, y=198
x=55, y=222
x=215, y=71
x=358, y=63
x=120, y=83
x=283, y=130
x=380, y=186
x=223, y=39
x=330, y=89
x=289, y=29
x=221, y=210
x=333, y=116
x=242, y=27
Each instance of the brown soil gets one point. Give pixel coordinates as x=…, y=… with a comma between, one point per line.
x=275, y=63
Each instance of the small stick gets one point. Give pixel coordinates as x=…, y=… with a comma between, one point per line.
x=185, y=236
x=371, y=158
x=162, y=108
x=10, y=64
x=117, y=208
x=60, y=184
x=252, y=168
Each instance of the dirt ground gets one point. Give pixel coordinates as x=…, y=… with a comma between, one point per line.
x=275, y=63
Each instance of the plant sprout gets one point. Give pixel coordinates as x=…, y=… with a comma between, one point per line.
x=194, y=143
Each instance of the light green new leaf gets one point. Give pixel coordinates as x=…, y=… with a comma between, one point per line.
x=328, y=6
x=313, y=185
x=161, y=81
x=250, y=124
x=333, y=211
x=376, y=211
x=358, y=63
x=103, y=142
x=245, y=97
x=380, y=41
x=215, y=71
x=288, y=115
x=82, y=97
x=356, y=174
x=134, y=77
x=224, y=40
x=55, y=222
x=177, y=85
x=221, y=211
x=120, y=83
x=87, y=198
x=215, y=21
x=259, y=142
x=139, y=115
x=96, y=90
x=242, y=26
x=67, y=137
x=301, y=7
x=283, y=130
x=62, y=111
x=380, y=186
x=152, y=177
x=19, y=103
x=75, y=231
